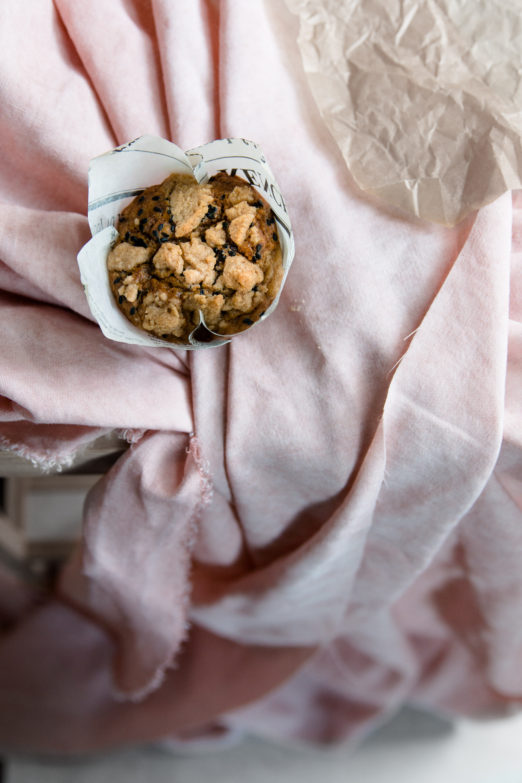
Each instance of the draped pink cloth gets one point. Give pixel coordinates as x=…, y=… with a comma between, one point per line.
x=314, y=524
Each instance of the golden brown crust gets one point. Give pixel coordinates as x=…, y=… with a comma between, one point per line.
x=185, y=248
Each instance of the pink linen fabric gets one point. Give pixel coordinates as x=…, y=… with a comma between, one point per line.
x=313, y=524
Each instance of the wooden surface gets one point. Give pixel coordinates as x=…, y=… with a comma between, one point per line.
x=22, y=546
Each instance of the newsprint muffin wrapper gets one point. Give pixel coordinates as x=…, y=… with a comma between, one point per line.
x=116, y=177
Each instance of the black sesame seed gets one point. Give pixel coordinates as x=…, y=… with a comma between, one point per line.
x=164, y=238
x=155, y=198
x=140, y=212
x=137, y=242
x=123, y=220
x=257, y=204
x=116, y=280
x=121, y=299
x=258, y=248
x=274, y=236
x=127, y=235
x=269, y=221
x=160, y=227
x=141, y=199
x=158, y=209
x=248, y=321
x=231, y=252
x=222, y=196
x=155, y=235
x=132, y=310
x=255, y=288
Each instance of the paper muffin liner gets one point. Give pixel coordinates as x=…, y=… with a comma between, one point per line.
x=120, y=175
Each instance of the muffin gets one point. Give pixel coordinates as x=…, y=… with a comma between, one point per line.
x=185, y=249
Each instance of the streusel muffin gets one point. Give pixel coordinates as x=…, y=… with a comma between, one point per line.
x=186, y=249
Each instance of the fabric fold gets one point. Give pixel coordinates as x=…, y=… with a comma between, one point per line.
x=140, y=590
x=98, y=31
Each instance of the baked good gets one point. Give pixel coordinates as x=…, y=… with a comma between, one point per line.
x=185, y=248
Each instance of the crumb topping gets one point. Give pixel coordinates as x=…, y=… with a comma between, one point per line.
x=168, y=260
x=240, y=274
x=125, y=257
x=185, y=249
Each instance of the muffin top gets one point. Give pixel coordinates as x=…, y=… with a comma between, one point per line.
x=188, y=254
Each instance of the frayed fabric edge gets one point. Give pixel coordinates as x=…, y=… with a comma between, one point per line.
x=45, y=462
x=130, y=435
x=206, y=484
x=206, y=494
x=139, y=695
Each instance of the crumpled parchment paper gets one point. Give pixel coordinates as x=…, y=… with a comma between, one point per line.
x=424, y=97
